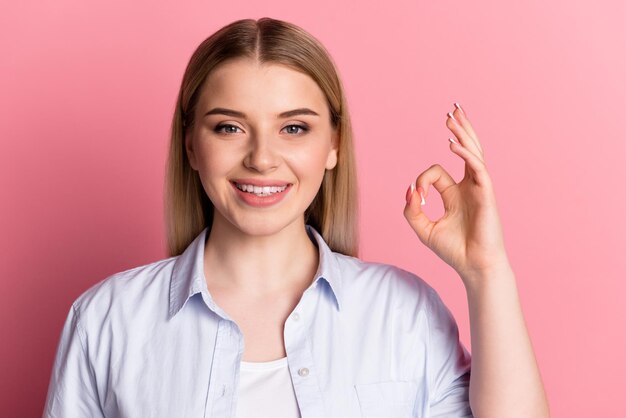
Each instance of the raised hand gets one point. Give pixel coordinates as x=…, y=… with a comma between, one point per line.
x=468, y=236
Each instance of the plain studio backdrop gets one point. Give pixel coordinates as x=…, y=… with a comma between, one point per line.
x=87, y=96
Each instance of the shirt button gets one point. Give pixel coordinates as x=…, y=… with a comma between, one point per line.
x=296, y=316
x=304, y=372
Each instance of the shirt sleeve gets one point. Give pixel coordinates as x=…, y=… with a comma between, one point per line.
x=449, y=363
x=72, y=388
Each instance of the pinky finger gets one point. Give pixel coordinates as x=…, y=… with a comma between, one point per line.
x=476, y=167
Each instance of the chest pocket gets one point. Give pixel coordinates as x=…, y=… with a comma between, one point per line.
x=386, y=399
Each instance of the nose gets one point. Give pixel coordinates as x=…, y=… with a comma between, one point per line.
x=262, y=155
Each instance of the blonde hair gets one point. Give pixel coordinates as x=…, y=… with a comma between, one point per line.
x=334, y=210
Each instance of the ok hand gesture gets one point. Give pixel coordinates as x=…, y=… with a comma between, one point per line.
x=468, y=237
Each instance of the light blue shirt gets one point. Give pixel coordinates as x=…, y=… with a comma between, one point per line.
x=365, y=340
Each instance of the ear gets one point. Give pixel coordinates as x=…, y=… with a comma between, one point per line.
x=331, y=161
x=190, y=151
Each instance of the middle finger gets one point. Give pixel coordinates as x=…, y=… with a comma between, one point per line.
x=463, y=136
x=461, y=117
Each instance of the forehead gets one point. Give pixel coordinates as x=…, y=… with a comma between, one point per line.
x=244, y=84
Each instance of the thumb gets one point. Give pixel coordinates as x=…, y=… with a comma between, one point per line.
x=414, y=214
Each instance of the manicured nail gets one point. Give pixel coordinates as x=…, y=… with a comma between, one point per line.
x=452, y=140
x=409, y=192
x=452, y=116
x=458, y=106
x=421, y=192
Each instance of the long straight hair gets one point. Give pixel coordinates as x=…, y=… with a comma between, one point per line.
x=334, y=210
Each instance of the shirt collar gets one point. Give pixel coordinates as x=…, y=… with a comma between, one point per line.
x=328, y=267
x=188, y=272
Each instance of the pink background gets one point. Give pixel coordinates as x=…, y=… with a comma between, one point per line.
x=87, y=97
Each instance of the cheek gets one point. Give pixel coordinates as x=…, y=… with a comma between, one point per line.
x=215, y=161
x=214, y=165
x=310, y=163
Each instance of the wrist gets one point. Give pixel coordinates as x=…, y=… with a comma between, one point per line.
x=496, y=273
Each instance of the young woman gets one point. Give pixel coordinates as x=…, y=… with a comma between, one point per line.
x=263, y=308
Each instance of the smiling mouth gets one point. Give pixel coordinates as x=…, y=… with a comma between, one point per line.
x=261, y=191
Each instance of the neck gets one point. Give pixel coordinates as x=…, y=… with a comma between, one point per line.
x=259, y=264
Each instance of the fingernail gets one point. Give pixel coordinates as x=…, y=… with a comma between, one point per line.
x=409, y=192
x=452, y=140
x=458, y=106
x=452, y=116
x=421, y=192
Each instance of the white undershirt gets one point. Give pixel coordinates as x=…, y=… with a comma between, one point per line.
x=266, y=390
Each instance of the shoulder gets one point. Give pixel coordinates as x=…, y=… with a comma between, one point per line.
x=388, y=297
x=124, y=289
x=381, y=281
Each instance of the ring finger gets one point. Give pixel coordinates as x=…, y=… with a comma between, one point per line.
x=464, y=138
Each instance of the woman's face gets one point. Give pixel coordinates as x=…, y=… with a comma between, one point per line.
x=240, y=140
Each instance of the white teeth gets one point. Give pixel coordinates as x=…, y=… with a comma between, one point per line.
x=260, y=191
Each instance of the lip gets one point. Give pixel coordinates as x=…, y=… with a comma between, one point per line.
x=261, y=183
x=260, y=201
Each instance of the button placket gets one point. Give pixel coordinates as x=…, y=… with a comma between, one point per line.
x=297, y=345
x=228, y=347
x=303, y=371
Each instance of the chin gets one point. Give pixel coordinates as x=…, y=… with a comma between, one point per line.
x=262, y=225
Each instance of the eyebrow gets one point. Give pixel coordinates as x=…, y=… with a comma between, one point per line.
x=235, y=113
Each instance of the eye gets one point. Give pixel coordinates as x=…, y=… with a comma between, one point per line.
x=301, y=127
x=219, y=127
x=296, y=129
